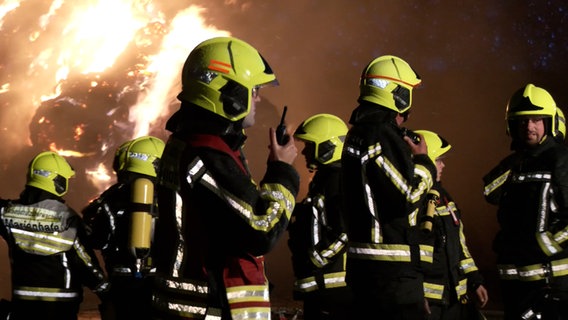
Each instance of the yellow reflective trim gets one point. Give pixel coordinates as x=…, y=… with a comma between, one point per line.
x=306, y=284
x=381, y=252
x=433, y=291
x=461, y=288
x=561, y=236
x=547, y=243
x=387, y=252
x=259, y=313
x=495, y=184
x=194, y=310
x=185, y=286
x=412, y=195
x=247, y=294
x=533, y=272
x=44, y=294
x=468, y=265
x=426, y=253
x=281, y=202
x=331, y=280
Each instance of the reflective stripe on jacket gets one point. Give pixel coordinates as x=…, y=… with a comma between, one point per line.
x=48, y=260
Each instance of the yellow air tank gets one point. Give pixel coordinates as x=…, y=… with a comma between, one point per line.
x=141, y=226
x=433, y=199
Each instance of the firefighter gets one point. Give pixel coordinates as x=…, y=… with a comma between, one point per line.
x=453, y=273
x=111, y=225
x=215, y=222
x=386, y=176
x=317, y=232
x=50, y=263
x=494, y=180
x=530, y=188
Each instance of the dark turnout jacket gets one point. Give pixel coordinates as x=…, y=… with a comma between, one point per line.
x=530, y=186
x=453, y=271
x=317, y=235
x=214, y=227
x=384, y=187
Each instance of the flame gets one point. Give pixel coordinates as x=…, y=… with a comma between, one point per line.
x=68, y=153
x=90, y=39
x=99, y=176
x=166, y=66
x=4, y=88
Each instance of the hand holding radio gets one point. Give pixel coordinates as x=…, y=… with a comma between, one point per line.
x=281, y=136
x=415, y=142
x=282, y=147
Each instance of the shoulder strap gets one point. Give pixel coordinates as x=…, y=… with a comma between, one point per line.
x=215, y=142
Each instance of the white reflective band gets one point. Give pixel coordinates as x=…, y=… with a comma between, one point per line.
x=388, y=252
x=304, y=285
x=331, y=280
x=373, y=151
x=538, y=176
x=433, y=291
x=403, y=254
x=197, y=166
x=44, y=294
x=235, y=294
x=557, y=268
x=186, y=286
x=44, y=236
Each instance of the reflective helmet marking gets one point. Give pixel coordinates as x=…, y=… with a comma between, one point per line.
x=218, y=66
x=388, y=81
x=50, y=172
x=142, y=155
x=383, y=81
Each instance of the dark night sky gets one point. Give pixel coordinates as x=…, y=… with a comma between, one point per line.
x=471, y=55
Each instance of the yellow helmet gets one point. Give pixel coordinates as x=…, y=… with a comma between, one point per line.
x=120, y=157
x=222, y=74
x=50, y=172
x=531, y=100
x=560, y=124
x=388, y=81
x=143, y=154
x=437, y=146
x=327, y=133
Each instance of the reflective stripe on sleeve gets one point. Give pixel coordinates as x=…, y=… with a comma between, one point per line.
x=495, y=184
x=533, y=272
x=433, y=291
x=331, y=280
x=44, y=294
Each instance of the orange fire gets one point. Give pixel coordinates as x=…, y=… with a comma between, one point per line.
x=87, y=38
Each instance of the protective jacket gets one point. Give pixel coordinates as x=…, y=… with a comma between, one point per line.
x=49, y=262
x=108, y=220
x=215, y=225
x=384, y=187
x=317, y=235
x=531, y=188
x=453, y=272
